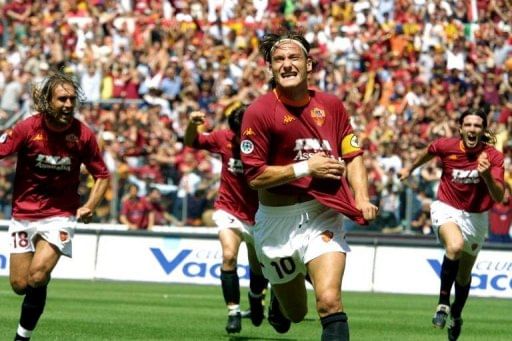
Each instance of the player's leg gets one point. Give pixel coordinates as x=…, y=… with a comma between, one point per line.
x=230, y=240
x=257, y=286
x=453, y=242
x=288, y=303
x=43, y=262
x=326, y=272
x=462, y=287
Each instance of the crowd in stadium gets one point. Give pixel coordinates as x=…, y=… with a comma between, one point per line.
x=404, y=69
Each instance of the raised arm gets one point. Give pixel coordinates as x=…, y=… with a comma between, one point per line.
x=196, y=119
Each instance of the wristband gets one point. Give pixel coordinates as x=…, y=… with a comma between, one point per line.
x=300, y=169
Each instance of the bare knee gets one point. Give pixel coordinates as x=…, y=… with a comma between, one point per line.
x=19, y=285
x=454, y=248
x=228, y=260
x=328, y=302
x=38, y=278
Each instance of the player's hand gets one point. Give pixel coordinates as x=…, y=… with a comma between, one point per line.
x=197, y=117
x=368, y=209
x=403, y=174
x=484, y=165
x=324, y=167
x=84, y=215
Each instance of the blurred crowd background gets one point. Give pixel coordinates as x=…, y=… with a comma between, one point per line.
x=405, y=69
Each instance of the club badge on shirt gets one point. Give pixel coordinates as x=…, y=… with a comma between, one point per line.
x=318, y=116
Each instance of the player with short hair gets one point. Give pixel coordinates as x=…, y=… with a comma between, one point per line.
x=472, y=179
x=51, y=147
x=301, y=154
x=235, y=207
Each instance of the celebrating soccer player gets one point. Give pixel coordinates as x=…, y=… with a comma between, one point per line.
x=51, y=146
x=473, y=178
x=300, y=153
x=235, y=206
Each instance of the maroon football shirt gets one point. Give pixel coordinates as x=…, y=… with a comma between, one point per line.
x=278, y=134
x=461, y=186
x=48, y=167
x=234, y=196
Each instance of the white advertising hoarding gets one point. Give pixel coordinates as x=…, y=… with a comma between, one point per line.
x=161, y=259
x=413, y=270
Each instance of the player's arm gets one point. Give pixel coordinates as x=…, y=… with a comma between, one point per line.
x=318, y=166
x=84, y=213
x=422, y=158
x=358, y=180
x=196, y=119
x=496, y=189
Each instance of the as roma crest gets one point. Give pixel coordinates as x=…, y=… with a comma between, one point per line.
x=318, y=116
x=71, y=140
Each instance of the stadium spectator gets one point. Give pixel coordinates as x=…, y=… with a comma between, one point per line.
x=134, y=210
x=51, y=148
x=235, y=207
x=473, y=178
x=500, y=219
x=293, y=142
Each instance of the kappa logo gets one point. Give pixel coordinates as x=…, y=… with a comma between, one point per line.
x=38, y=137
x=318, y=116
x=288, y=119
x=248, y=132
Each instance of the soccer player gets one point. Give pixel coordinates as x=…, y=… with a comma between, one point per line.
x=51, y=146
x=472, y=179
x=300, y=153
x=235, y=207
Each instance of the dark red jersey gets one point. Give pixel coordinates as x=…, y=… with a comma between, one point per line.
x=461, y=185
x=278, y=134
x=48, y=167
x=136, y=210
x=235, y=196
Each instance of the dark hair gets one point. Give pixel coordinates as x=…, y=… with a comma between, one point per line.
x=488, y=136
x=270, y=39
x=42, y=94
x=235, y=118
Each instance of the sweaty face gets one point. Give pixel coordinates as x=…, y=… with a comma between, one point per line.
x=472, y=130
x=289, y=65
x=62, y=106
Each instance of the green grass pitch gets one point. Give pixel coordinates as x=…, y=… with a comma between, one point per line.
x=100, y=310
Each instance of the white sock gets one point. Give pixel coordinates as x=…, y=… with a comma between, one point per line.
x=24, y=332
x=233, y=309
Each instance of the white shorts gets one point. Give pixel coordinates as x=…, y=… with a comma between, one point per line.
x=288, y=237
x=225, y=220
x=474, y=226
x=57, y=231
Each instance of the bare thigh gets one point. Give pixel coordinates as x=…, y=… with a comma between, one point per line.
x=33, y=269
x=326, y=273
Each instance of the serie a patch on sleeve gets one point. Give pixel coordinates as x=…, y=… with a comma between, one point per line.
x=350, y=144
